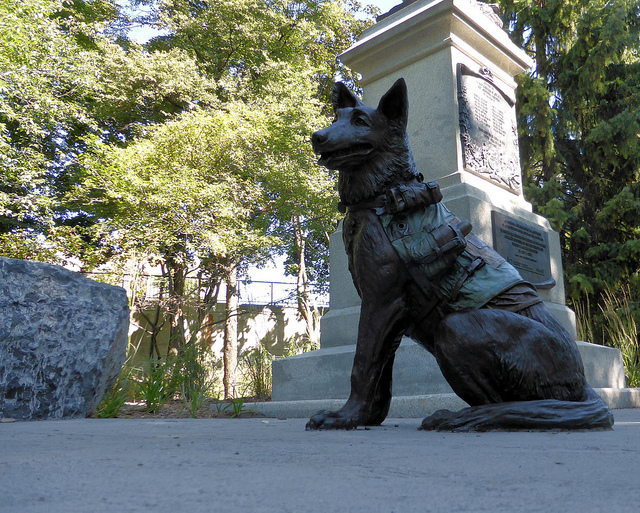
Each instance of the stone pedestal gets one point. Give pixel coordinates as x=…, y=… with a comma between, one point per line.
x=432, y=44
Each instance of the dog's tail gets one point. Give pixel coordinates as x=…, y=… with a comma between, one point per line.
x=538, y=415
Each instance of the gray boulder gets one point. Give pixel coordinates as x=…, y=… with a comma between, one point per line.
x=63, y=340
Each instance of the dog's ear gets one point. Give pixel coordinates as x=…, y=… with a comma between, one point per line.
x=342, y=98
x=395, y=104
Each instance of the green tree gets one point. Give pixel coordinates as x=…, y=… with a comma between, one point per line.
x=302, y=200
x=191, y=152
x=250, y=45
x=280, y=55
x=188, y=198
x=45, y=81
x=579, y=119
x=64, y=81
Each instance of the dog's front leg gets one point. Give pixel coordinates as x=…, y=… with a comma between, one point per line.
x=379, y=335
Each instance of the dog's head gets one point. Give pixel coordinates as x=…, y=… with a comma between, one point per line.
x=360, y=133
x=368, y=146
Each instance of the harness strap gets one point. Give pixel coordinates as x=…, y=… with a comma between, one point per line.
x=438, y=302
x=404, y=197
x=467, y=272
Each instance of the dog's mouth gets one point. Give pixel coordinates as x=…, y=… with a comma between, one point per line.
x=333, y=159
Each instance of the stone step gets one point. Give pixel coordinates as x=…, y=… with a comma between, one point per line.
x=320, y=379
x=325, y=373
x=420, y=406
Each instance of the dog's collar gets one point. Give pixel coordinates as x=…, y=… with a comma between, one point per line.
x=378, y=204
x=404, y=197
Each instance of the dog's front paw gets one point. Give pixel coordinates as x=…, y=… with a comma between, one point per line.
x=326, y=419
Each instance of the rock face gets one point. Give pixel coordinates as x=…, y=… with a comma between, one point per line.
x=63, y=340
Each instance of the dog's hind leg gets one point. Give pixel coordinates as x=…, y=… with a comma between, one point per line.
x=515, y=373
x=547, y=414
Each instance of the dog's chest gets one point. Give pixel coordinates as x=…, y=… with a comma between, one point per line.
x=373, y=262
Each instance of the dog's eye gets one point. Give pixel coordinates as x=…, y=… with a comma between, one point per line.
x=359, y=122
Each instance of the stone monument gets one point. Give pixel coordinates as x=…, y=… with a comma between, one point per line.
x=459, y=66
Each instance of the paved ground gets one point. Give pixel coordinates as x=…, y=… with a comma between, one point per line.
x=269, y=465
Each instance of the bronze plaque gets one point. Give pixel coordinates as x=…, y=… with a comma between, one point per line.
x=525, y=247
x=488, y=129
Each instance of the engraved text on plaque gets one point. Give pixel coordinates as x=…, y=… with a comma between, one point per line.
x=488, y=130
x=524, y=246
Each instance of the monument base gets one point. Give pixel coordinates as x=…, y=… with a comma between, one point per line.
x=420, y=406
x=320, y=379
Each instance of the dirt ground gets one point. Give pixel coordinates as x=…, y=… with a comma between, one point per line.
x=178, y=410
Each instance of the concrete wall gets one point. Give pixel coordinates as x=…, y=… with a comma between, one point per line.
x=275, y=327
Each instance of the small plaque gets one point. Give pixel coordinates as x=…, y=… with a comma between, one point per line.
x=488, y=129
x=525, y=247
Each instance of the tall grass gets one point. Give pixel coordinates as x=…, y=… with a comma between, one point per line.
x=188, y=375
x=122, y=390
x=584, y=321
x=195, y=376
x=256, y=373
x=621, y=331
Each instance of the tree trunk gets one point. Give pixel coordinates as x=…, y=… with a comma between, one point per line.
x=308, y=314
x=177, y=277
x=230, y=350
x=546, y=134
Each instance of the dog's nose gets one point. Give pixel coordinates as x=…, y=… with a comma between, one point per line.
x=318, y=137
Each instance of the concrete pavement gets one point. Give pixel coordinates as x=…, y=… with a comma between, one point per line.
x=271, y=465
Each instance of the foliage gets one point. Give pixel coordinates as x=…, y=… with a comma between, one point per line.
x=234, y=407
x=279, y=56
x=65, y=79
x=123, y=388
x=187, y=197
x=187, y=374
x=114, y=399
x=154, y=385
x=614, y=324
x=622, y=332
x=256, y=367
x=194, y=374
x=585, y=324
x=138, y=89
x=249, y=46
x=297, y=345
x=190, y=154
x=237, y=407
x=45, y=81
x=194, y=368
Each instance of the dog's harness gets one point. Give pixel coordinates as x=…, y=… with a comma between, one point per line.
x=453, y=270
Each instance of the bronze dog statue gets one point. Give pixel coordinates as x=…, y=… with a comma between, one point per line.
x=420, y=272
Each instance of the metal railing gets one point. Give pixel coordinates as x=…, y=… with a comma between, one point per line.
x=259, y=293
x=276, y=293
